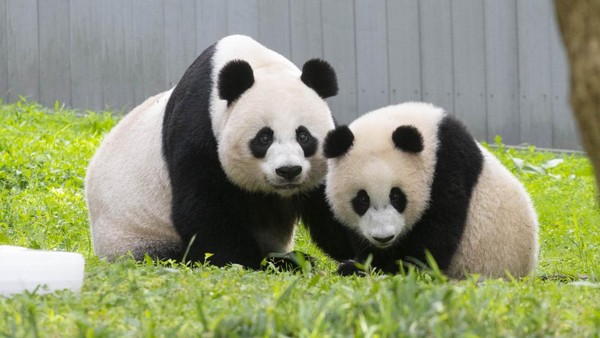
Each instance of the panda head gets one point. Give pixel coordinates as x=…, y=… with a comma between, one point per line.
x=274, y=124
x=381, y=169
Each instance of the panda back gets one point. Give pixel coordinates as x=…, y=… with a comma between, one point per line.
x=501, y=231
x=127, y=186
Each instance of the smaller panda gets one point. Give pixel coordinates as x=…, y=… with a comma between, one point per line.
x=409, y=179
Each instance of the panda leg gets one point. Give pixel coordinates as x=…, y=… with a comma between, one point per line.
x=221, y=247
x=291, y=261
x=351, y=267
x=157, y=250
x=325, y=231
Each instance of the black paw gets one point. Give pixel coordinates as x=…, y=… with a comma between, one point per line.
x=291, y=261
x=351, y=267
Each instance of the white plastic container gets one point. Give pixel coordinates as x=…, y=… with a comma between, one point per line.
x=24, y=269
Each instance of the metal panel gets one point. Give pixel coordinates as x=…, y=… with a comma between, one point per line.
x=436, y=53
x=371, y=55
x=242, y=17
x=339, y=50
x=534, y=72
x=211, y=24
x=55, y=60
x=469, y=65
x=274, y=26
x=564, y=131
x=470, y=57
x=117, y=55
x=23, y=57
x=502, y=70
x=404, y=58
x=306, y=30
x=180, y=38
x=86, y=43
x=149, y=52
x=4, y=86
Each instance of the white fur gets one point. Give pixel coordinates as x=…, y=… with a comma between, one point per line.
x=501, y=228
x=127, y=185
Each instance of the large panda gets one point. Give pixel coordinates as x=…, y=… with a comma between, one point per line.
x=220, y=165
x=407, y=179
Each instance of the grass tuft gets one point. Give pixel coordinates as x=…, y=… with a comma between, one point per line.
x=43, y=157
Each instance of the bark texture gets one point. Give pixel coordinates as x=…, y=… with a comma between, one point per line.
x=580, y=27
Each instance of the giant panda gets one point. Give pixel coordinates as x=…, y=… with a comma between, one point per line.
x=218, y=167
x=409, y=179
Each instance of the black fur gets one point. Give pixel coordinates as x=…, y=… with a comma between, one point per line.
x=408, y=138
x=338, y=142
x=308, y=142
x=234, y=79
x=211, y=214
x=260, y=144
x=320, y=76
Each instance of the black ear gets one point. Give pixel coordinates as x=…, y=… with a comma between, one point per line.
x=234, y=79
x=320, y=76
x=408, y=138
x=338, y=142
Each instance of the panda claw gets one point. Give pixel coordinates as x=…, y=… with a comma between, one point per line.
x=292, y=261
x=349, y=268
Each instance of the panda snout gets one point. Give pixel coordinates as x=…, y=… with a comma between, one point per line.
x=289, y=172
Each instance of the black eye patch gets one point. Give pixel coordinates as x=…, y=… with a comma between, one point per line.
x=361, y=202
x=308, y=143
x=398, y=199
x=261, y=142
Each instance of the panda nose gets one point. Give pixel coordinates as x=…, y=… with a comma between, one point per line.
x=383, y=240
x=289, y=172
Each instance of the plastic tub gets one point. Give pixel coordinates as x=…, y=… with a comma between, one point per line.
x=23, y=269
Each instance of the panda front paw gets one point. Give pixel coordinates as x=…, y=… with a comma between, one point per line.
x=351, y=267
x=291, y=261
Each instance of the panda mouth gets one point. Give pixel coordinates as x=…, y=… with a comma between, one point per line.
x=288, y=186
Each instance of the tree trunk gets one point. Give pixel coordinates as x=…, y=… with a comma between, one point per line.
x=580, y=26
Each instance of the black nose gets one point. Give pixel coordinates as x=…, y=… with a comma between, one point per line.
x=289, y=172
x=383, y=240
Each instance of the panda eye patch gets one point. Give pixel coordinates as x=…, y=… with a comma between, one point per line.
x=261, y=142
x=361, y=202
x=307, y=141
x=398, y=199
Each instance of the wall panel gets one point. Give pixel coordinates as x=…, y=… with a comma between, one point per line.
x=23, y=53
x=535, y=72
x=468, y=50
x=502, y=70
x=404, y=51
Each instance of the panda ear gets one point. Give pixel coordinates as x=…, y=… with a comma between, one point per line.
x=338, y=142
x=408, y=138
x=234, y=79
x=320, y=76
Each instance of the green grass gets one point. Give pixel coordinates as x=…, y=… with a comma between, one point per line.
x=43, y=156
